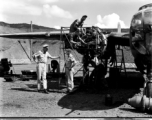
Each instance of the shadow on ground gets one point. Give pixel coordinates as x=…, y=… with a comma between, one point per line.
x=120, y=88
x=132, y=110
x=95, y=101
x=24, y=89
x=128, y=80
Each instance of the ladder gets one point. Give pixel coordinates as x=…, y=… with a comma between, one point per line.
x=64, y=49
x=122, y=65
x=63, y=33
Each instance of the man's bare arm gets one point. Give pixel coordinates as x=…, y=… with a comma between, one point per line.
x=53, y=57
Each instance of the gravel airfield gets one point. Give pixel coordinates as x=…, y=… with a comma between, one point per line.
x=21, y=99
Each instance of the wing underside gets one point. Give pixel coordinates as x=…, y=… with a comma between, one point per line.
x=119, y=39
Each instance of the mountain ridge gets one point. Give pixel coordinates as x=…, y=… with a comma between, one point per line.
x=26, y=26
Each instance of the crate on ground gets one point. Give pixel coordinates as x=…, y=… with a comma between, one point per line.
x=28, y=74
x=55, y=75
x=10, y=78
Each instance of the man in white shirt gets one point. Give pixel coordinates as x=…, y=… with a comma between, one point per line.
x=41, y=58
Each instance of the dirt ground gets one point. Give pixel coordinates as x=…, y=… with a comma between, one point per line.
x=21, y=99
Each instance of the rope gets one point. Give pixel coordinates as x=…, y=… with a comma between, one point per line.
x=24, y=50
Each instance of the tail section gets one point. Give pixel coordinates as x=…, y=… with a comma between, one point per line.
x=119, y=28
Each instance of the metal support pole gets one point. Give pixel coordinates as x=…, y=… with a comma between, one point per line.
x=123, y=62
x=31, y=42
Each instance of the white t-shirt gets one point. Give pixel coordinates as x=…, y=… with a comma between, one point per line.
x=41, y=57
x=70, y=61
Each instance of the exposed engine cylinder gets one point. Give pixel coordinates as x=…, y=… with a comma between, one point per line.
x=142, y=103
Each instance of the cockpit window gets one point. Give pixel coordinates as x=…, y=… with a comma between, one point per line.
x=148, y=17
x=136, y=29
x=137, y=21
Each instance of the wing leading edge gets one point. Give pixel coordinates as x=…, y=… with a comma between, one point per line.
x=114, y=38
x=35, y=35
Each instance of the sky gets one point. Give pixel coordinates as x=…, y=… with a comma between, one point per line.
x=61, y=13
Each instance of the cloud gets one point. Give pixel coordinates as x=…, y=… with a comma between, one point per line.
x=136, y=1
x=57, y=27
x=128, y=1
x=2, y=17
x=110, y=21
x=80, y=0
x=34, y=8
x=55, y=11
x=43, y=1
x=18, y=7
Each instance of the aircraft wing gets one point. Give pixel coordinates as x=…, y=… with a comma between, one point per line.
x=114, y=38
x=35, y=35
x=119, y=39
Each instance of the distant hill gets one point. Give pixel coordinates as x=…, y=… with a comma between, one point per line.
x=25, y=27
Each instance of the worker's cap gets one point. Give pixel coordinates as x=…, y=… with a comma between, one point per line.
x=45, y=45
x=84, y=16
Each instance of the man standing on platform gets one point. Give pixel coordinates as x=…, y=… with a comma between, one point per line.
x=41, y=58
x=76, y=29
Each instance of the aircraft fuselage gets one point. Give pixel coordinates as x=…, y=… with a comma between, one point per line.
x=141, y=39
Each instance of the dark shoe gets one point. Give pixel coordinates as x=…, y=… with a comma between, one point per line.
x=48, y=90
x=39, y=91
x=68, y=91
x=45, y=91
